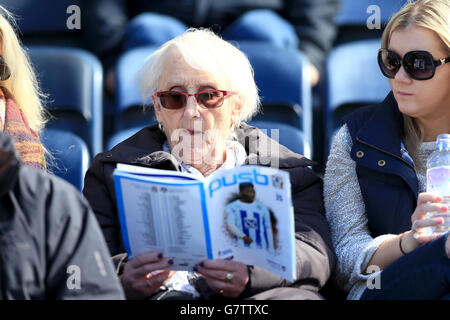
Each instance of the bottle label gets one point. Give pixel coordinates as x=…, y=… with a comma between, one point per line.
x=438, y=180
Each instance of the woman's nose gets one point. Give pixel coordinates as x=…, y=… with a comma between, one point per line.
x=192, y=107
x=402, y=75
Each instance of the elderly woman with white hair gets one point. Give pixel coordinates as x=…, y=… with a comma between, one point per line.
x=203, y=90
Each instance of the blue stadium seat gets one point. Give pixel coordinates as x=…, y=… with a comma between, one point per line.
x=354, y=12
x=70, y=155
x=353, y=80
x=38, y=17
x=73, y=78
x=129, y=111
x=121, y=136
x=284, y=85
x=289, y=136
x=356, y=19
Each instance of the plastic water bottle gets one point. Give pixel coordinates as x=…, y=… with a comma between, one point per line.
x=438, y=181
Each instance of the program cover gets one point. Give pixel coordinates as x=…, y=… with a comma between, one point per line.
x=245, y=213
x=252, y=218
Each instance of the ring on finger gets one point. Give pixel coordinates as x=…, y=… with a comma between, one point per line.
x=229, y=277
x=149, y=282
x=414, y=226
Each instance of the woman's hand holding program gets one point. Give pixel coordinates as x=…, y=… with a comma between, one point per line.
x=227, y=277
x=144, y=274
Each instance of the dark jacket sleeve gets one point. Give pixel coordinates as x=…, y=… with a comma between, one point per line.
x=314, y=24
x=314, y=251
x=99, y=192
x=78, y=262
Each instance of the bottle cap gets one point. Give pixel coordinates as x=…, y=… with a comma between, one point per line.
x=443, y=142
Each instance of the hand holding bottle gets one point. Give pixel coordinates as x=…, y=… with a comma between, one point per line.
x=421, y=221
x=438, y=182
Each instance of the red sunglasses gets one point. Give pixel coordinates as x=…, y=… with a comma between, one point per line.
x=208, y=99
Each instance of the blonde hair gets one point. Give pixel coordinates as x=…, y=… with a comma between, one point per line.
x=204, y=50
x=22, y=83
x=435, y=16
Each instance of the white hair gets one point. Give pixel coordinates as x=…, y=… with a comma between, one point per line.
x=203, y=50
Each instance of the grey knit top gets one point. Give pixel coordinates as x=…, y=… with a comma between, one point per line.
x=345, y=212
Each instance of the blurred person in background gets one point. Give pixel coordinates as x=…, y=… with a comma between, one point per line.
x=50, y=243
x=114, y=26
x=51, y=246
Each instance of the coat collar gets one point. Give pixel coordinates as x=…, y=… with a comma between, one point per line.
x=384, y=129
x=9, y=163
x=145, y=148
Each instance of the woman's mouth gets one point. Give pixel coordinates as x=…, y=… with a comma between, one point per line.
x=193, y=132
x=404, y=94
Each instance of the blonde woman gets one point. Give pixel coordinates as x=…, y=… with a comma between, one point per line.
x=375, y=177
x=21, y=110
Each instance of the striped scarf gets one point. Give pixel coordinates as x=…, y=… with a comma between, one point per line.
x=16, y=125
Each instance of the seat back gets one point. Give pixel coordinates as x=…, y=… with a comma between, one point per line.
x=120, y=136
x=289, y=136
x=46, y=22
x=353, y=80
x=73, y=79
x=356, y=12
x=130, y=112
x=39, y=17
x=284, y=85
x=69, y=155
x=364, y=19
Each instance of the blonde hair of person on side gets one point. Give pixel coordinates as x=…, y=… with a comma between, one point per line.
x=21, y=101
x=22, y=83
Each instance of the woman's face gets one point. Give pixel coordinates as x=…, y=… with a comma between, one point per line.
x=196, y=135
x=424, y=100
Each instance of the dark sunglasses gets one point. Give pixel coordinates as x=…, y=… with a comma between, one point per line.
x=5, y=73
x=419, y=65
x=208, y=99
